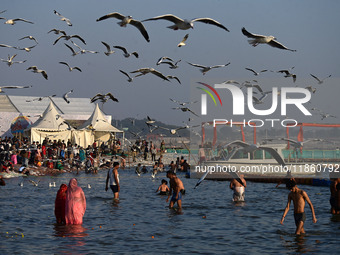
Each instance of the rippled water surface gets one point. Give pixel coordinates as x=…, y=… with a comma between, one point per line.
x=141, y=223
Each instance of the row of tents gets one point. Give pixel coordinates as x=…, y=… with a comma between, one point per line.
x=51, y=125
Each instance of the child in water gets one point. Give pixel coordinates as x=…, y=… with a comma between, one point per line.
x=163, y=188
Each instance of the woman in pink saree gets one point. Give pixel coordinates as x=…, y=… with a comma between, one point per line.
x=75, y=203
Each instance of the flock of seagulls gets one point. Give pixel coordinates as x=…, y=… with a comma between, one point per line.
x=177, y=24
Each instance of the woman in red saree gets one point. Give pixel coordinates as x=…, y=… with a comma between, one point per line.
x=75, y=205
x=59, y=205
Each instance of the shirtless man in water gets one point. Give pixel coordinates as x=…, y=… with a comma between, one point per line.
x=176, y=190
x=238, y=188
x=299, y=197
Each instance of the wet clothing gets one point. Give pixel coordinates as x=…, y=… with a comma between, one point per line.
x=75, y=205
x=112, y=180
x=114, y=188
x=173, y=198
x=238, y=195
x=163, y=193
x=59, y=204
x=299, y=217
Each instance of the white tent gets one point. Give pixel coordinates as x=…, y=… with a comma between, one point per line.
x=101, y=128
x=50, y=125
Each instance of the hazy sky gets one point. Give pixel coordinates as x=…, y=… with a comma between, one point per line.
x=310, y=27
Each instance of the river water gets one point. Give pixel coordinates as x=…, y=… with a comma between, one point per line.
x=141, y=223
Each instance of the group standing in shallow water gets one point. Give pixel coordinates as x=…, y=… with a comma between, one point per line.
x=70, y=204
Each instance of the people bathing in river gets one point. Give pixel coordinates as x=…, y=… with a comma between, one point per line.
x=335, y=195
x=59, y=204
x=75, y=203
x=163, y=188
x=176, y=190
x=113, y=179
x=238, y=186
x=299, y=197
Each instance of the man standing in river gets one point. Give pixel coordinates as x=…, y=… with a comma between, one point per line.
x=299, y=197
x=176, y=190
x=113, y=177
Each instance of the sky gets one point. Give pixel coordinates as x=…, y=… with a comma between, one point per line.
x=308, y=26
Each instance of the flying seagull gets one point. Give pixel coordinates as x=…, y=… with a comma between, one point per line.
x=34, y=183
x=7, y=46
x=311, y=89
x=108, y=49
x=104, y=97
x=182, y=43
x=186, y=24
x=126, y=53
x=319, y=80
x=127, y=20
x=13, y=87
x=40, y=99
x=326, y=115
x=149, y=121
x=74, y=53
x=182, y=103
x=160, y=60
x=30, y=38
x=254, y=72
x=173, y=77
x=144, y=71
x=185, y=109
x=36, y=70
x=270, y=40
x=63, y=18
x=27, y=49
x=57, y=31
x=171, y=64
x=65, y=96
x=13, y=21
x=129, y=78
x=83, y=51
x=10, y=61
x=288, y=74
x=68, y=37
x=205, y=69
x=70, y=68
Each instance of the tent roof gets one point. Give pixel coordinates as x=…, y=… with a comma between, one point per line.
x=25, y=104
x=50, y=120
x=99, y=122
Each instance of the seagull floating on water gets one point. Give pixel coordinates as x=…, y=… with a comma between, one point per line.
x=34, y=183
x=258, y=39
x=184, y=24
x=127, y=20
x=63, y=18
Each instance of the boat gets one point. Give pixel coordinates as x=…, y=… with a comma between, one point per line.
x=256, y=161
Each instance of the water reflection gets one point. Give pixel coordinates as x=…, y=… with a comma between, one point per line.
x=70, y=231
